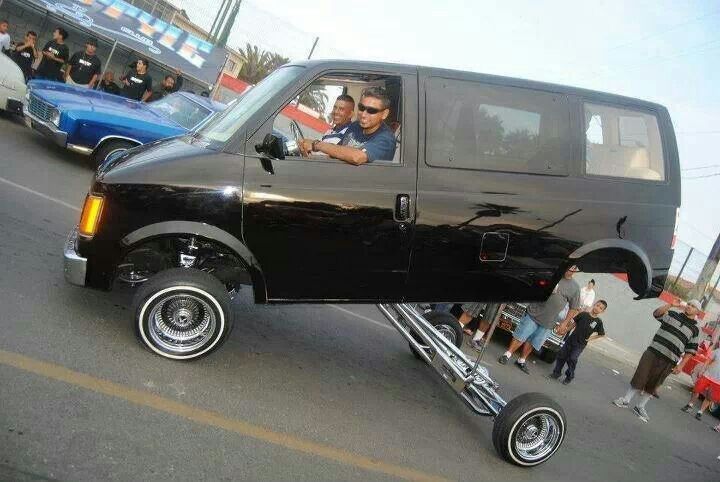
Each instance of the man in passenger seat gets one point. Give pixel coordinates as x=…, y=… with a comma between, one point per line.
x=342, y=113
x=366, y=140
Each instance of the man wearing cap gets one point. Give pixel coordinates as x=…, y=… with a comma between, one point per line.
x=675, y=341
x=539, y=321
x=84, y=67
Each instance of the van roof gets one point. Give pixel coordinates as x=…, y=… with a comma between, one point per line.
x=479, y=77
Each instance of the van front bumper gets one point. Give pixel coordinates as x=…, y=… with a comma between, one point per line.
x=75, y=266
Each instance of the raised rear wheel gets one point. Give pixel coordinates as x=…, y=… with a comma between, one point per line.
x=529, y=429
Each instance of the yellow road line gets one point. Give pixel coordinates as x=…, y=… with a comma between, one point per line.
x=207, y=417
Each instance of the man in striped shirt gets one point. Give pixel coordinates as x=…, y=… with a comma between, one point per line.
x=675, y=341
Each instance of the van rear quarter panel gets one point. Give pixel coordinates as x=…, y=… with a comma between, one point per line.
x=546, y=218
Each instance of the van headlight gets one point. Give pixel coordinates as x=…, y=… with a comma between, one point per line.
x=55, y=117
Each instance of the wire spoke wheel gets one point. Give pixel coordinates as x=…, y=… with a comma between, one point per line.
x=182, y=313
x=537, y=437
x=181, y=323
x=529, y=429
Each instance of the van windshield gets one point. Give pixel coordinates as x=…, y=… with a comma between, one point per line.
x=227, y=123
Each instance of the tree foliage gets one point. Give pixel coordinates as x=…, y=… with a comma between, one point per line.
x=258, y=64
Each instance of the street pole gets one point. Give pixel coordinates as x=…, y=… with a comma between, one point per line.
x=221, y=22
x=682, y=268
x=225, y=34
x=105, y=65
x=313, y=47
x=698, y=291
x=215, y=20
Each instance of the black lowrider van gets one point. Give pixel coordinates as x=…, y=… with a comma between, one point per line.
x=494, y=188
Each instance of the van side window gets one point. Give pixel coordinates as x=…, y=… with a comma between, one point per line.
x=623, y=143
x=479, y=126
x=328, y=110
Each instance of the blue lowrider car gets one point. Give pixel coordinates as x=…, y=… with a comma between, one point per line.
x=99, y=124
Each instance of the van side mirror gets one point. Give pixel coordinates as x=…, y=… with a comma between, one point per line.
x=272, y=146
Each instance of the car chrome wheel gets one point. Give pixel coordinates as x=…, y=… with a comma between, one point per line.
x=537, y=437
x=447, y=332
x=181, y=322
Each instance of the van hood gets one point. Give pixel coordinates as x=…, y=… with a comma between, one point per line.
x=177, y=161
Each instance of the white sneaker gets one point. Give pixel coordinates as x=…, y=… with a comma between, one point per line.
x=620, y=403
x=642, y=414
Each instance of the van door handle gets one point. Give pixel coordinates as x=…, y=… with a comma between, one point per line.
x=402, y=208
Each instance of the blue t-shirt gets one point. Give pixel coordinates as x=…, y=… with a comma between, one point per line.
x=335, y=134
x=378, y=146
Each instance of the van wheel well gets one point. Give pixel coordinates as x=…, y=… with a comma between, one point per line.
x=617, y=260
x=146, y=258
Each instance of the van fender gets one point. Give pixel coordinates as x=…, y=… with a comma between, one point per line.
x=622, y=244
x=210, y=232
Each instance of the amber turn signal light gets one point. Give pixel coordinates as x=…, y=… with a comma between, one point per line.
x=90, y=217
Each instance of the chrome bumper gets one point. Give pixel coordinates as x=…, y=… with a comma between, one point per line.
x=45, y=128
x=75, y=266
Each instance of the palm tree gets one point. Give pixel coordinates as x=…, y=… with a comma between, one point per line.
x=255, y=65
x=314, y=98
x=276, y=60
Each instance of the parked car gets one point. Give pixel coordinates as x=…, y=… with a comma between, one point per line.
x=492, y=189
x=511, y=315
x=97, y=123
x=12, y=86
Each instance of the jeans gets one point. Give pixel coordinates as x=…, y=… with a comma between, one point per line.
x=569, y=353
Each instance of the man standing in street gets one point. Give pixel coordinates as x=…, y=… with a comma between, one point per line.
x=342, y=113
x=25, y=54
x=137, y=85
x=5, y=43
x=587, y=326
x=587, y=296
x=675, y=340
x=84, y=67
x=169, y=85
x=55, y=54
x=539, y=320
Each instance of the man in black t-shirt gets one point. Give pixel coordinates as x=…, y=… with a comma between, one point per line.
x=137, y=84
x=587, y=326
x=107, y=84
x=84, y=67
x=169, y=85
x=25, y=54
x=55, y=54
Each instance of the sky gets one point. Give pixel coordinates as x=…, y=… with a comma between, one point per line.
x=663, y=51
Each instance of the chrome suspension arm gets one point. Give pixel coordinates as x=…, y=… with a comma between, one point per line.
x=468, y=380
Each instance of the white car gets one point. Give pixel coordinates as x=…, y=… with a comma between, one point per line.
x=12, y=86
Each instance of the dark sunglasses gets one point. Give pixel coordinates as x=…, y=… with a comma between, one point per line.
x=370, y=110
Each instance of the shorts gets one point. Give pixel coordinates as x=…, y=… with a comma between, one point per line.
x=712, y=387
x=473, y=309
x=529, y=330
x=651, y=372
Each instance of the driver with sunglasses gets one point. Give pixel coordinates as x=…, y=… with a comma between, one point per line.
x=367, y=139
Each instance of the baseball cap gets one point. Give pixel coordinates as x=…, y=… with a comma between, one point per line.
x=695, y=303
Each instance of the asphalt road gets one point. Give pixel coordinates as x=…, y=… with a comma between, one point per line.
x=303, y=392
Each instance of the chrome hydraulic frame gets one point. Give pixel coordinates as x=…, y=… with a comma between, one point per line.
x=470, y=381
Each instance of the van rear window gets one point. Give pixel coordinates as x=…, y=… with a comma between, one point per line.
x=623, y=143
x=481, y=126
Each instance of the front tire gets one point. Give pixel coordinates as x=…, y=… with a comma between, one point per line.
x=111, y=147
x=529, y=429
x=182, y=314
